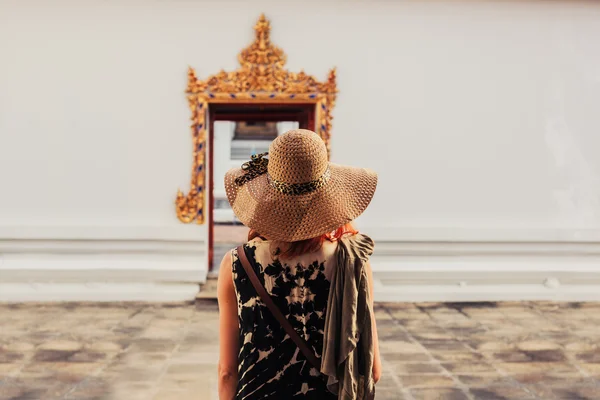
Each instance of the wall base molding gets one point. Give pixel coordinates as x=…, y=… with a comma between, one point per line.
x=97, y=292
x=121, y=268
x=486, y=271
x=435, y=292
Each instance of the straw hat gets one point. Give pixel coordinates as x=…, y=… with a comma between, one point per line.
x=297, y=193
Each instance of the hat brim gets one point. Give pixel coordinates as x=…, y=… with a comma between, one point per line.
x=291, y=218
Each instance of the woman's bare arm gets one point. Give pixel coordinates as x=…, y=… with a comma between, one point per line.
x=228, y=331
x=377, y=357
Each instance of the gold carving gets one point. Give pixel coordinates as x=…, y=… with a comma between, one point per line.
x=261, y=78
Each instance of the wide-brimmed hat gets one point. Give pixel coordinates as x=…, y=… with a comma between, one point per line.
x=297, y=193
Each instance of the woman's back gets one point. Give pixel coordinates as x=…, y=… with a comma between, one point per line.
x=270, y=363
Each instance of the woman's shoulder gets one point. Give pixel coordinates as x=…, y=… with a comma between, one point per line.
x=251, y=248
x=255, y=243
x=252, y=243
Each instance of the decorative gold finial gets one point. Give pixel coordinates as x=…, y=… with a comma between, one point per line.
x=263, y=30
x=262, y=54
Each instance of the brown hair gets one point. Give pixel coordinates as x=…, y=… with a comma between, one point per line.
x=292, y=249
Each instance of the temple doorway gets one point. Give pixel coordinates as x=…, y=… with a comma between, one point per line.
x=236, y=133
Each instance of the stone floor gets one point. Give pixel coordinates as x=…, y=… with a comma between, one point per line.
x=430, y=351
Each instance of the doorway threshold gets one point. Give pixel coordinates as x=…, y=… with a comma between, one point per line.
x=208, y=290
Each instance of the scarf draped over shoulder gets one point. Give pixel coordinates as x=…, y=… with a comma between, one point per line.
x=348, y=351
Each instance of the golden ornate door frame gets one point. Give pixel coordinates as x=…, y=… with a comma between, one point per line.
x=261, y=78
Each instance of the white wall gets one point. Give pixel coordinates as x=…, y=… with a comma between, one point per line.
x=481, y=118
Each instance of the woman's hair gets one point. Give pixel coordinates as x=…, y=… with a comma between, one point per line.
x=292, y=249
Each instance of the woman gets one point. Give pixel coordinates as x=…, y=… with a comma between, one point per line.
x=305, y=261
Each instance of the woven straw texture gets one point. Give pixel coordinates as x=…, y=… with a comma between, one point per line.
x=297, y=157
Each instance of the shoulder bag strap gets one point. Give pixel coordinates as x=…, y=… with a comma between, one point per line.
x=260, y=289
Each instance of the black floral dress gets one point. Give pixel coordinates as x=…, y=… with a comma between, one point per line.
x=270, y=364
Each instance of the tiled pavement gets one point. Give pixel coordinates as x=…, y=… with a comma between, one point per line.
x=430, y=351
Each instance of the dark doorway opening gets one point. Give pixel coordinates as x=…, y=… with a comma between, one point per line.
x=251, y=127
